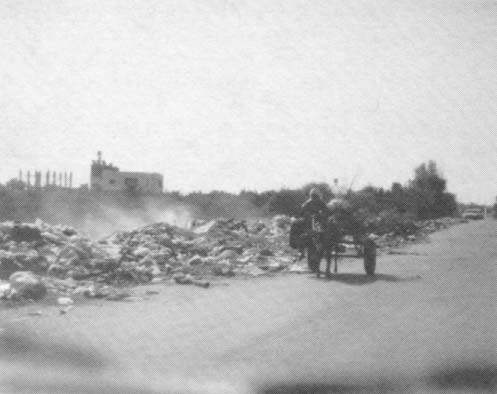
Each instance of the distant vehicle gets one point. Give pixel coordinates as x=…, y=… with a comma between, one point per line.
x=474, y=213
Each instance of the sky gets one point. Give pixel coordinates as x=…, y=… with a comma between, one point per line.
x=257, y=95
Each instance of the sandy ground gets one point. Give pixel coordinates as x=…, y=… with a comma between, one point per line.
x=431, y=309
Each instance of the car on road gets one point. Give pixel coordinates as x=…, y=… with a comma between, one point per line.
x=474, y=213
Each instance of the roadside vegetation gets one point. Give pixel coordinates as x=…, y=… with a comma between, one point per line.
x=423, y=197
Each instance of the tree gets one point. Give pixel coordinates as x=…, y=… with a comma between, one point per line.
x=286, y=201
x=428, y=197
x=15, y=184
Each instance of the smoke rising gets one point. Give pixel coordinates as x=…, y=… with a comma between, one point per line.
x=114, y=218
x=101, y=214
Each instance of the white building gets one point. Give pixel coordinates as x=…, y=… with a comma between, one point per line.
x=106, y=177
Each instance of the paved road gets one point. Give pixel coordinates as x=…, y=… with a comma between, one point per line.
x=428, y=312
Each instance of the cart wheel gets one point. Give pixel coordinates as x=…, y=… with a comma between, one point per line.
x=369, y=257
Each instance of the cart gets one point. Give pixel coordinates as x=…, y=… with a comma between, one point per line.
x=330, y=240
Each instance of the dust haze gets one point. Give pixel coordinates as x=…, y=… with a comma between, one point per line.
x=115, y=218
x=99, y=216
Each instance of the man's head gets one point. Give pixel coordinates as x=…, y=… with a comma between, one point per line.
x=314, y=194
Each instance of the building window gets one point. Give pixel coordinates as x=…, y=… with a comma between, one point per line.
x=131, y=184
x=112, y=181
x=131, y=181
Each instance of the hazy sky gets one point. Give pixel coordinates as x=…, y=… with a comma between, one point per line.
x=252, y=94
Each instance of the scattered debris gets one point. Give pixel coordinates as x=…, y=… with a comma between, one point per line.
x=118, y=296
x=63, y=311
x=25, y=284
x=4, y=289
x=35, y=313
x=183, y=279
x=298, y=268
x=201, y=283
x=65, y=301
x=409, y=231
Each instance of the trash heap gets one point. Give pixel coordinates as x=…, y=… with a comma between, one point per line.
x=409, y=231
x=220, y=247
x=64, y=261
x=37, y=258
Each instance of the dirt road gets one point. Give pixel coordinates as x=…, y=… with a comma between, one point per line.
x=430, y=309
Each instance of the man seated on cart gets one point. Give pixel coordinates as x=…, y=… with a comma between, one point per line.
x=314, y=206
x=315, y=216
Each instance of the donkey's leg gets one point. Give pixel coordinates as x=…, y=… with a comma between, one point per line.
x=328, y=260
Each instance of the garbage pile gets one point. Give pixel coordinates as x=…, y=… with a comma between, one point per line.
x=412, y=231
x=221, y=247
x=432, y=225
x=64, y=261
x=37, y=258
